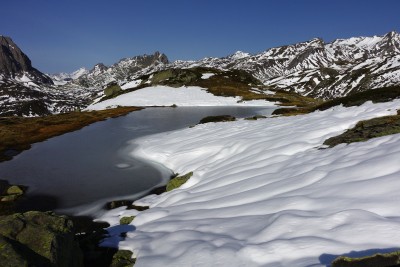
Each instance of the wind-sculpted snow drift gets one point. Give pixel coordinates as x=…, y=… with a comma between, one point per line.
x=264, y=194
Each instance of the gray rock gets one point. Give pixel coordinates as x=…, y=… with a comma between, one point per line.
x=38, y=238
x=13, y=62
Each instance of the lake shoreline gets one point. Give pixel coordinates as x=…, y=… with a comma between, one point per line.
x=19, y=133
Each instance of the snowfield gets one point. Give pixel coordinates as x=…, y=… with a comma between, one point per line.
x=168, y=96
x=264, y=194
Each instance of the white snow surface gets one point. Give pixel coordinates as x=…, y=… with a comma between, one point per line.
x=167, y=96
x=263, y=194
x=207, y=75
x=131, y=84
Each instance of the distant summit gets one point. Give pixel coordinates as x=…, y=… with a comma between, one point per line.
x=318, y=69
x=122, y=71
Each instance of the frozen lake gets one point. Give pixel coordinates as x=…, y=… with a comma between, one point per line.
x=78, y=172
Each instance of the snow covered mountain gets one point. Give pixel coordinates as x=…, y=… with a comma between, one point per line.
x=120, y=72
x=63, y=78
x=318, y=69
x=312, y=68
x=15, y=65
x=25, y=91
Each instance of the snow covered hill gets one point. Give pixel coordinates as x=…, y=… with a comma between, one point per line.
x=264, y=194
x=169, y=96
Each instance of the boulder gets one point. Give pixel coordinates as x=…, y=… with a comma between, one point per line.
x=218, y=118
x=123, y=258
x=112, y=90
x=38, y=238
x=126, y=220
x=176, y=182
x=15, y=190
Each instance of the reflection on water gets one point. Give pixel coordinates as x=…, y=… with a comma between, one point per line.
x=78, y=172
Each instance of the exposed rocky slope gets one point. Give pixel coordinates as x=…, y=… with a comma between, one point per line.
x=319, y=69
x=15, y=64
x=63, y=78
x=25, y=91
x=121, y=71
x=312, y=68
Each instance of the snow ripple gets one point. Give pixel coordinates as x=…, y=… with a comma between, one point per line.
x=262, y=194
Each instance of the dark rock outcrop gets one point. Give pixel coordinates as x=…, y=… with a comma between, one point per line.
x=38, y=239
x=13, y=62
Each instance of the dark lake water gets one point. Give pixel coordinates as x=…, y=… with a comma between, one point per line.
x=78, y=172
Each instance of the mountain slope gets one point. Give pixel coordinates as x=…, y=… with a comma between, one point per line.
x=318, y=69
x=25, y=91
x=312, y=68
x=121, y=71
x=63, y=78
x=14, y=64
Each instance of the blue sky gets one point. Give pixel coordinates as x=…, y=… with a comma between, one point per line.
x=65, y=35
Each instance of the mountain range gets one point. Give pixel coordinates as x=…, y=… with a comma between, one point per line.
x=311, y=68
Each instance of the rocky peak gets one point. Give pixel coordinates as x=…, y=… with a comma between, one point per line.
x=14, y=63
x=316, y=42
x=156, y=58
x=121, y=71
x=390, y=43
x=161, y=57
x=239, y=55
x=290, y=51
x=99, y=67
x=12, y=59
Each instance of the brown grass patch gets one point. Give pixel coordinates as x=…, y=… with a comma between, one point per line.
x=18, y=133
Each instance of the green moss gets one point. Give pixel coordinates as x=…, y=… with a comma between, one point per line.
x=10, y=254
x=377, y=260
x=112, y=90
x=365, y=130
x=123, y=258
x=162, y=76
x=15, y=190
x=178, y=181
x=126, y=220
x=9, y=195
x=176, y=77
x=42, y=237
